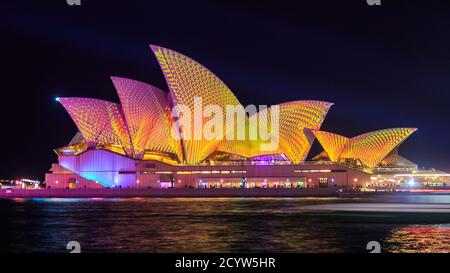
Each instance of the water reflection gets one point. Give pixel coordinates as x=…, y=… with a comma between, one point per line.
x=200, y=225
x=420, y=238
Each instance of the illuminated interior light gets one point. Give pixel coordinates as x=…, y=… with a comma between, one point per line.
x=184, y=172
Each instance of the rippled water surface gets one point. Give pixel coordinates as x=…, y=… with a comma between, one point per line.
x=215, y=225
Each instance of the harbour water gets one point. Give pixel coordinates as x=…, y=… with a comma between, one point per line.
x=217, y=225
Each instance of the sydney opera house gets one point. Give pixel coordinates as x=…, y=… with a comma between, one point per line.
x=132, y=144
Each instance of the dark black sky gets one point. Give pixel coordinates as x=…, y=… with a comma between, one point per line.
x=385, y=66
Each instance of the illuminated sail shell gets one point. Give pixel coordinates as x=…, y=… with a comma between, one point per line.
x=393, y=159
x=99, y=121
x=333, y=144
x=372, y=147
x=241, y=147
x=186, y=80
x=141, y=127
x=296, y=120
x=147, y=114
x=294, y=140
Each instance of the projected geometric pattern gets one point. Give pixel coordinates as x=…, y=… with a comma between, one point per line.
x=333, y=144
x=147, y=114
x=371, y=148
x=99, y=121
x=295, y=118
x=186, y=80
x=142, y=126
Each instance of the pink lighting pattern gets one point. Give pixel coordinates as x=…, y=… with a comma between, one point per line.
x=142, y=126
x=148, y=117
x=99, y=121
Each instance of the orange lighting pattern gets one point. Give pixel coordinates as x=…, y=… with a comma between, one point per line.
x=370, y=148
x=187, y=79
x=142, y=125
x=334, y=143
x=148, y=117
x=295, y=118
x=99, y=121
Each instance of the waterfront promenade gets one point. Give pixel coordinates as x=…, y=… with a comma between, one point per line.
x=175, y=192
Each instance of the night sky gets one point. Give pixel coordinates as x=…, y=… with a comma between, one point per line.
x=383, y=66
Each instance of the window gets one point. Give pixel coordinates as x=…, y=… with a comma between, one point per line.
x=323, y=182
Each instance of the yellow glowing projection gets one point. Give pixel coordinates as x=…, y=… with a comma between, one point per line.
x=333, y=144
x=144, y=125
x=296, y=118
x=186, y=80
x=148, y=117
x=99, y=121
x=371, y=148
